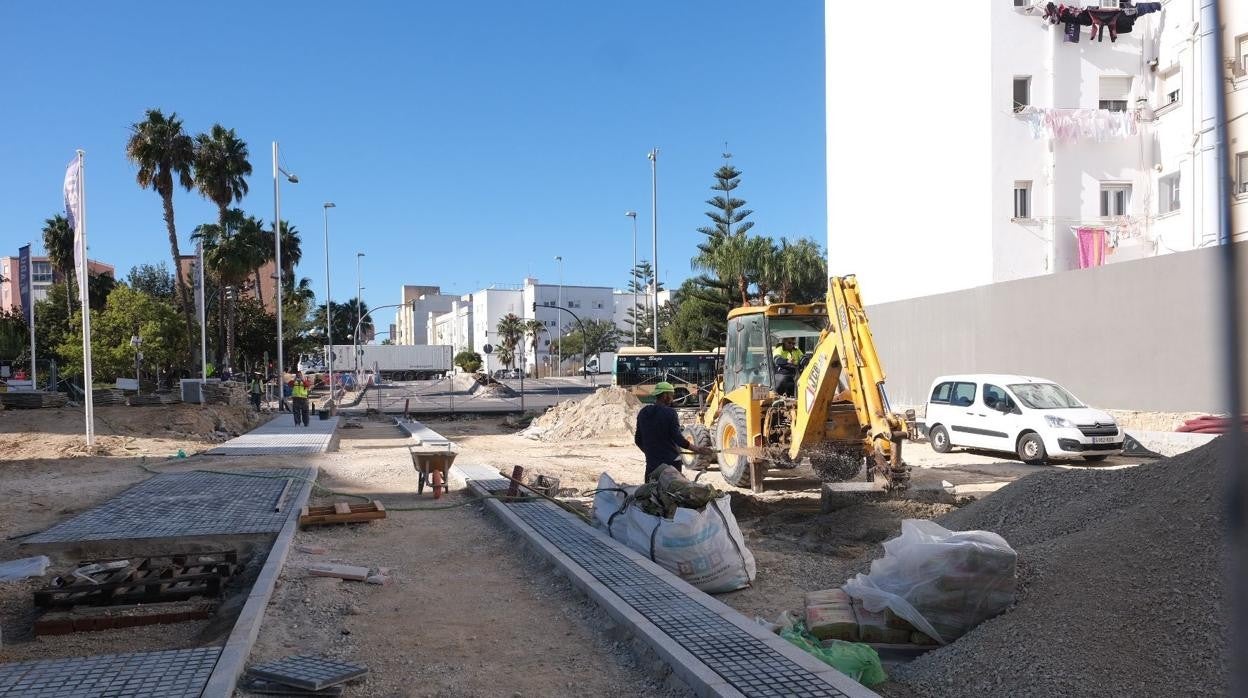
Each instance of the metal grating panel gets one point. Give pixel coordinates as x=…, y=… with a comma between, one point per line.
x=280, y=437
x=186, y=504
x=170, y=674
x=744, y=661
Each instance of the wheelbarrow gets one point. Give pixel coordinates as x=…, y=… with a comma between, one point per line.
x=432, y=469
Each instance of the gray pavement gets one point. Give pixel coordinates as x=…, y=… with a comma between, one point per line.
x=281, y=437
x=169, y=674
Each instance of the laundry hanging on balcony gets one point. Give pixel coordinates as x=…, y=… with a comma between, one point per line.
x=1093, y=246
x=1117, y=21
x=1098, y=125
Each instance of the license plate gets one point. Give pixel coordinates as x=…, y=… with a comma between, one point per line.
x=1104, y=439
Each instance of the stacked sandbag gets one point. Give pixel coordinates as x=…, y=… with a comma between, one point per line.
x=943, y=583
x=831, y=614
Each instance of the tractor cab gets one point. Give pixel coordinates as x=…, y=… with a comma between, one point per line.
x=768, y=346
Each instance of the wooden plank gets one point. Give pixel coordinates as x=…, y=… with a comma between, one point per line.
x=329, y=569
x=377, y=505
x=342, y=508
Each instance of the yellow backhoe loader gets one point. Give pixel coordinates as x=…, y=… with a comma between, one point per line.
x=822, y=399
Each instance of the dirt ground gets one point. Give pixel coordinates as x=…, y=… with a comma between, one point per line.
x=466, y=612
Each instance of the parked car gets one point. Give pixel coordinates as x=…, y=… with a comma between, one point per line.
x=503, y=373
x=1032, y=417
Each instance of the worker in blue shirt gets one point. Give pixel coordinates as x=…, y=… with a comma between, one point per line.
x=658, y=432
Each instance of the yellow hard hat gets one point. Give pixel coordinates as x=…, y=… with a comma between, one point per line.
x=663, y=387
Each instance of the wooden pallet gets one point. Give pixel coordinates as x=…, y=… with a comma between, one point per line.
x=341, y=512
x=111, y=617
x=153, y=579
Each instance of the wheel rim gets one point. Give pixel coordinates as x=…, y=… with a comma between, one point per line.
x=940, y=439
x=730, y=441
x=1030, y=449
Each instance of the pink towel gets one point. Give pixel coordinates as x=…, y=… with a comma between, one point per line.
x=1091, y=247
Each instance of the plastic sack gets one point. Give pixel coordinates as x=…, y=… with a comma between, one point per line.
x=857, y=661
x=705, y=548
x=942, y=582
x=14, y=570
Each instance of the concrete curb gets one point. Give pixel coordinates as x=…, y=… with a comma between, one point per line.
x=689, y=668
x=247, y=628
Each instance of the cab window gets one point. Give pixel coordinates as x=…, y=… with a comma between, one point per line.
x=963, y=394
x=995, y=398
x=941, y=393
x=749, y=360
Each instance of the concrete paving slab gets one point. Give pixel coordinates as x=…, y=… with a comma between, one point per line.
x=713, y=648
x=422, y=435
x=171, y=673
x=195, y=503
x=280, y=436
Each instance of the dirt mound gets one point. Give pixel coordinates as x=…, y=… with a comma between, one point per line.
x=609, y=413
x=1120, y=587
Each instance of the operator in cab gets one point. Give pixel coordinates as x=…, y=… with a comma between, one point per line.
x=658, y=432
x=786, y=356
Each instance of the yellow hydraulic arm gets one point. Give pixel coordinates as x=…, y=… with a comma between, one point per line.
x=847, y=348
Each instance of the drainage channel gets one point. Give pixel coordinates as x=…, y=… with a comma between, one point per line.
x=761, y=665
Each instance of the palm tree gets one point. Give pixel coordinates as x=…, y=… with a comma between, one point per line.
x=292, y=250
x=221, y=168
x=231, y=257
x=534, y=328
x=162, y=150
x=510, y=333
x=800, y=265
x=58, y=242
x=507, y=356
x=730, y=259
x=252, y=241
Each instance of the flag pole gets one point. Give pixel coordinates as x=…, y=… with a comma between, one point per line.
x=30, y=280
x=84, y=280
x=202, y=302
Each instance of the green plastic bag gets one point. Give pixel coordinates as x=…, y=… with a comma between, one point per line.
x=858, y=661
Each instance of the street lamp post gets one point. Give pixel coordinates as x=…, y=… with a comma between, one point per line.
x=654, y=222
x=633, y=274
x=559, y=347
x=359, y=318
x=329, y=327
x=137, y=342
x=277, y=256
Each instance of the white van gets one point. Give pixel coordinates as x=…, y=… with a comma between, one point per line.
x=1033, y=417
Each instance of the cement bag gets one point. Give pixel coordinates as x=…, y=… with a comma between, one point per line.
x=705, y=548
x=942, y=582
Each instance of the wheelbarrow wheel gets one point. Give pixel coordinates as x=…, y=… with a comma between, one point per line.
x=420, y=482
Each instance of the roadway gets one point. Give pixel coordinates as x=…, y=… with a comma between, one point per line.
x=438, y=396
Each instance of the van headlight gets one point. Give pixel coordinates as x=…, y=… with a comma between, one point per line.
x=1059, y=422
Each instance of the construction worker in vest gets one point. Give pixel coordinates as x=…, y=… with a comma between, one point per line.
x=786, y=357
x=299, y=399
x=256, y=389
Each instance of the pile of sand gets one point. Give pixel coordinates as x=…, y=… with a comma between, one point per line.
x=610, y=413
x=1121, y=588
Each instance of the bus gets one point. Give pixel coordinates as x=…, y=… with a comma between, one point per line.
x=638, y=369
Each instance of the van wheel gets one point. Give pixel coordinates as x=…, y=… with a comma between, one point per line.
x=731, y=432
x=1031, y=449
x=939, y=438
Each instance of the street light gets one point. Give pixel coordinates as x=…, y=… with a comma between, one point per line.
x=359, y=317
x=329, y=328
x=559, y=366
x=653, y=156
x=633, y=274
x=137, y=342
x=277, y=256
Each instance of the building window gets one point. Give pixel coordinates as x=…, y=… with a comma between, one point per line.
x=1115, y=92
x=1168, y=200
x=1022, y=3
x=1115, y=199
x=41, y=272
x=1171, y=91
x=1240, y=67
x=1241, y=173
x=1022, y=199
x=1022, y=92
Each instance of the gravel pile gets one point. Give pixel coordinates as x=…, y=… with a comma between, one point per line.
x=1120, y=587
x=610, y=413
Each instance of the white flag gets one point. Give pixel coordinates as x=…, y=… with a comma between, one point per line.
x=73, y=212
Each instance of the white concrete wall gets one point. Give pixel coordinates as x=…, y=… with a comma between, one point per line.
x=488, y=307
x=588, y=302
x=909, y=161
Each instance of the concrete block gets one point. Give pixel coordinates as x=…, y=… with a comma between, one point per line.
x=351, y=572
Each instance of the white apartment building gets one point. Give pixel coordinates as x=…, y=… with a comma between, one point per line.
x=411, y=319
x=1013, y=152
x=473, y=319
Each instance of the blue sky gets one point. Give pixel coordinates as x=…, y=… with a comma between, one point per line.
x=464, y=143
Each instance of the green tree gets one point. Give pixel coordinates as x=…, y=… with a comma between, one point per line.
x=803, y=276
x=468, y=361
x=506, y=355
x=292, y=249
x=343, y=320
x=534, y=329
x=163, y=151
x=510, y=334
x=221, y=169
x=694, y=323
x=99, y=288
x=298, y=302
x=14, y=336
x=127, y=312
x=591, y=338
x=230, y=255
x=255, y=330
x=58, y=243
x=639, y=315
x=153, y=279
x=53, y=326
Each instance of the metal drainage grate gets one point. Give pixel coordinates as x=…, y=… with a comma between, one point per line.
x=740, y=658
x=280, y=437
x=186, y=504
x=170, y=674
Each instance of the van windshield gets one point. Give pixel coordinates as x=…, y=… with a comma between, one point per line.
x=1044, y=396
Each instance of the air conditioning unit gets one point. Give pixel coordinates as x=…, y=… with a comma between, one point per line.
x=190, y=388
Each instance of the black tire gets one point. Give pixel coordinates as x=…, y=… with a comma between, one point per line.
x=939, y=437
x=1031, y=449
x=699, y=436
x=1096, y=459
x=731, y=432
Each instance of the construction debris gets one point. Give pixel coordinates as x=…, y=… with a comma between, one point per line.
x=610, y=413
x=32, y=399
x=1121, y=586
x=309, y=672
x=341, y=512
x=13, y=570
x=252, y=684
x=159, y=578
x=348, y=572
x=111, y=617
x=229, y=393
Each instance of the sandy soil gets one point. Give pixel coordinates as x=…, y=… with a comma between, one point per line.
x=465, y=614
